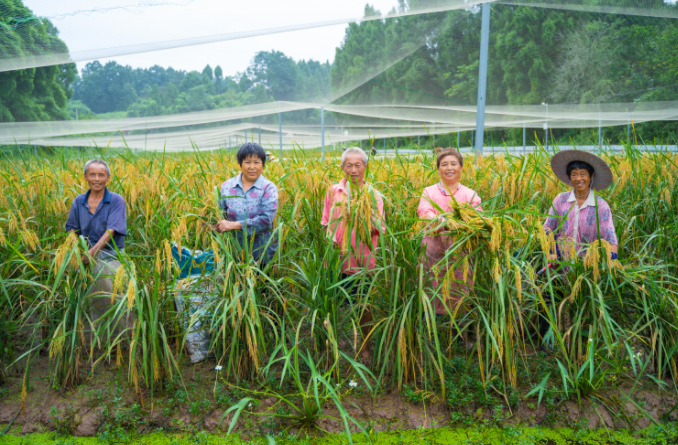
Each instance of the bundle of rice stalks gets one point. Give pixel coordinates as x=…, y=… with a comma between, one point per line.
x=358, y=214
x=465, y=222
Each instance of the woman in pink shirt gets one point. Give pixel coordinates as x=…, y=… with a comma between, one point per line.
x=435, y=200
x=356, y=256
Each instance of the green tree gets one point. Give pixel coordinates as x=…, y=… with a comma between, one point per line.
x=207, y=71
x=106, y=88
x=218, y=78
x=33, y=94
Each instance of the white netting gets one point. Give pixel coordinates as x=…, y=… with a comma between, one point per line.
x=414, y=77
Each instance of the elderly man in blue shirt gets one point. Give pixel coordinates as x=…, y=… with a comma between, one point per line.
x=100, y=217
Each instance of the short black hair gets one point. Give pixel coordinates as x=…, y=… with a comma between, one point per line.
x=251, y=149
x=579, y=165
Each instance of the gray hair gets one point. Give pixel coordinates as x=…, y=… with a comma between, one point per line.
x=97, y=161
x=353, y=150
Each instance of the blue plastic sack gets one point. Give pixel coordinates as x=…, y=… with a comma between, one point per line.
x=193, y=263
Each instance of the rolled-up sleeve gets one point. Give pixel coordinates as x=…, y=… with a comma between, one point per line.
x=117, y=217
x=73, y=221
x=426, y=209
x=607, y=230
x=327, y=207
x=268, y=207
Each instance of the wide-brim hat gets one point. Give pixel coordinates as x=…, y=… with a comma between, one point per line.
x=602, y=175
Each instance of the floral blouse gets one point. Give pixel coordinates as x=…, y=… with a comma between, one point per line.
x=564, y=210
x=255, y=209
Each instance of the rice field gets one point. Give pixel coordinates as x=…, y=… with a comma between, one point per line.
x=613, y=323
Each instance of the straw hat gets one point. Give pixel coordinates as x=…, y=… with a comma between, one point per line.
x=602, y=176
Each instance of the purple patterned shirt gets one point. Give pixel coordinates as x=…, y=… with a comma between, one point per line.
x=255, y=209
x=563, y=210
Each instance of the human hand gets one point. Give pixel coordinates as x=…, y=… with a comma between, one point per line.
x=226, y=226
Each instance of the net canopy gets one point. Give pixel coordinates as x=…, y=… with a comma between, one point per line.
x=409, y=72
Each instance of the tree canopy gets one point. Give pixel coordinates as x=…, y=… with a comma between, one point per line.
x=33, y=94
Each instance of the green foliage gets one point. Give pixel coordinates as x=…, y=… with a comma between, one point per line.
x=34, y=94
x=444, y=436
x=158, y=91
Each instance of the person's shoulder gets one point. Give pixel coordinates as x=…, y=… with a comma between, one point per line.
x=377, y=193
x=469, y=191
x=562, y=197
x=116, y=198
x=430, y=189
x=267, y=183
x=230, y=182
x=78, y=200
x=602, y=204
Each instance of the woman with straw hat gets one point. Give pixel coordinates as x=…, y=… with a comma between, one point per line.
x=580, y=216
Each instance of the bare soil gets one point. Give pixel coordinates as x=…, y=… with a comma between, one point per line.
x=89, y=408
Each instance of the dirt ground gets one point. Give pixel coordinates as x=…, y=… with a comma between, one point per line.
x=107, y=399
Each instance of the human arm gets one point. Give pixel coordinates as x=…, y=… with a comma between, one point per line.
x=378, y=225
x=73, y=221
x=607, y=229
x=94, y=250
x=550, y=226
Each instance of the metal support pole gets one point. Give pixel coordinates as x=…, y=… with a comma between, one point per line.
x=482, y=77
x=458, y=132
x=600, y=131
x=322, y=130
x=35, y=150
x=546, y=126
x=280, y=132
x=524, y=139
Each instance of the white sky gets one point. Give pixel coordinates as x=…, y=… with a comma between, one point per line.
x=89, y=24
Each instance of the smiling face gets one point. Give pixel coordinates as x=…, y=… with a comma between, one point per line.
x=354, y=168
x=581, y=180
x=251, y=168
x=450, y=170
x=97, y=177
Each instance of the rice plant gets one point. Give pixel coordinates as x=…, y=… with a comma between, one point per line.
x=602, y=315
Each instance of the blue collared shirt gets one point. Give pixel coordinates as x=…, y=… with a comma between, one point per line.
x=255, y=209
x=110, y=214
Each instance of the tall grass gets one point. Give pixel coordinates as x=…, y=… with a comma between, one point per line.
x=604, y=312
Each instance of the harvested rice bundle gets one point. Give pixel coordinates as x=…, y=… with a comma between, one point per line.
x=358, y=213
x=465, y=221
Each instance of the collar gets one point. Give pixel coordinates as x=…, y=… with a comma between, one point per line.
x=443, y=189
x=107, y=196
x=259, y=183
x=342, y=186
x=590, y=200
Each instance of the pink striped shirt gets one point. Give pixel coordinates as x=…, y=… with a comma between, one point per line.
x=360, y=255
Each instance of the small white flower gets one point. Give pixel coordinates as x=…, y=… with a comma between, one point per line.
x=338, y=385
x=249, y=405
x=590, y=340
x=353, y=384
x=218, y=367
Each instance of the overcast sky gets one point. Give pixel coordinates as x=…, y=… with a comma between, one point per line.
x=88, y=24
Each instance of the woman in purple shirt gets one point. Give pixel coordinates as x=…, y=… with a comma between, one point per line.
x=250, y=203
x=579, y=216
